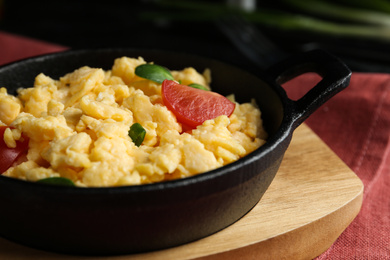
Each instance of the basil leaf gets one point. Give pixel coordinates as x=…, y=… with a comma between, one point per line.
x=194, y=85
x=60, y=181
x=137, y=134
x=153, y=72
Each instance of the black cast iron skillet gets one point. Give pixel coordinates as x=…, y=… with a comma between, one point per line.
x=122, y=220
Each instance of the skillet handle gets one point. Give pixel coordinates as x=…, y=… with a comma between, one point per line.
x=335, y=77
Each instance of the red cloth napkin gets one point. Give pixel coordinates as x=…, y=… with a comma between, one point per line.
x=355, y=124
x=15, y=47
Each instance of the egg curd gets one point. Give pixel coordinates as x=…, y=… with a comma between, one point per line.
x=78, y=129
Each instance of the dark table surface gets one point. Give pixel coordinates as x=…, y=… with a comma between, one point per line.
x=102, y=24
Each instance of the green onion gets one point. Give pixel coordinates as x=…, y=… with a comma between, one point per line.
x=137, y=134
x=378, y=5
x=194, y=85
x=344, y=12
x=367, y=24
x=293, y=22
x=153, y=72
x=59, y=181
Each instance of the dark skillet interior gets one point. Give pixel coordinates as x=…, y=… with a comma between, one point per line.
x=107, y=221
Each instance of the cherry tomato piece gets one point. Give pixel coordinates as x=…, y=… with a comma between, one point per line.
x=193, y=106
x=10, y=156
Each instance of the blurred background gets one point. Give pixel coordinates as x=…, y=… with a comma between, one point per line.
x=357, y=31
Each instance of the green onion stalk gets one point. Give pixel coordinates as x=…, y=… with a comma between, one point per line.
x=345, y=18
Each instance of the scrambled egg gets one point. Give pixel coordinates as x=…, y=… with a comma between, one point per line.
x=78, y=129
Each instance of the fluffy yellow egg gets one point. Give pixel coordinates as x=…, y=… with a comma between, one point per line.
x=78, y=128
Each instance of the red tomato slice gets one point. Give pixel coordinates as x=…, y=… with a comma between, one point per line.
x=193, y=106
x=10, y=156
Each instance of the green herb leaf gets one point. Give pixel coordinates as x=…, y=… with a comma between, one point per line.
x=137, y=134
x=60, y=181
x=194, y=85
x=153, y=72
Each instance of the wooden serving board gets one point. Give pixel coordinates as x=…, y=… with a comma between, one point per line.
x=312, y=199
